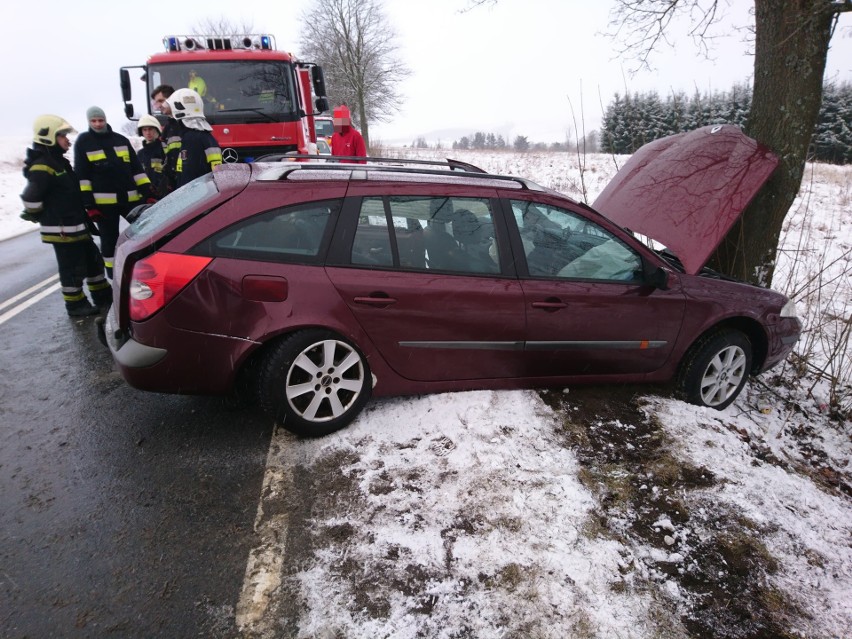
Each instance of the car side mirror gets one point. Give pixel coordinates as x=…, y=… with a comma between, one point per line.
x=657, y=277
x=321, y=104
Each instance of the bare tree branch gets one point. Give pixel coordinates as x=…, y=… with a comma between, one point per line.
x=640, y=27
x=220, y=26
x=473, y=4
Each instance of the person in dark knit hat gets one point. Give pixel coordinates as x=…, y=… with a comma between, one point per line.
x=112, y=180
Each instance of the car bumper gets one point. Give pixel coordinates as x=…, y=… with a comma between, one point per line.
x=782, y=338
x=127, y=352
x=190, y=362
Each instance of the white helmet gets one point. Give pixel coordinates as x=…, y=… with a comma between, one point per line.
x=185, y=103
x=148, y=120
x=47, y=127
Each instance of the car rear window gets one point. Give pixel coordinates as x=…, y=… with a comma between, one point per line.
x=288, y=234
x=172, y=207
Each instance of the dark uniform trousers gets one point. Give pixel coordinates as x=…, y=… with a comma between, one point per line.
x=81, y=262
x=108, y=228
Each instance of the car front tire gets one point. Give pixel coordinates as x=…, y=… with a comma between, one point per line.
x=314, y=382
x=716, y=369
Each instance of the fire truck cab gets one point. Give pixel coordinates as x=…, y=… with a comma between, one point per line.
x=259, y=100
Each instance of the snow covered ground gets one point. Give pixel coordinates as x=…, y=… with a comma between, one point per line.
x=581, y=513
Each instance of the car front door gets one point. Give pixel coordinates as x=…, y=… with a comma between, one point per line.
x=589, y=310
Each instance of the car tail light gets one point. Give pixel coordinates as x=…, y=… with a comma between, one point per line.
x=157, y=278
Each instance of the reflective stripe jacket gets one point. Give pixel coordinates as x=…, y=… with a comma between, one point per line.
x=152, y=156
x=109, y=170
x=199, y=154
x=52, y=196
x=171, y=144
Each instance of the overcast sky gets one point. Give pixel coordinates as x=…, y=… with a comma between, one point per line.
x=514, y=68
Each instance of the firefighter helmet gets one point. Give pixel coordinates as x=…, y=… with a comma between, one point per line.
x=47, y=127
x=148, y=120
x=185, y=103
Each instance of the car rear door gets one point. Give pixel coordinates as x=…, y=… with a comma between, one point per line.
x=429, y=280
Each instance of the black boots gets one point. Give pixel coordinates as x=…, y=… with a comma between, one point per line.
x=103, y=300
x=81, y=309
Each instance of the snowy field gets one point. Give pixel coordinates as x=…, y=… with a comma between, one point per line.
x=605, y=513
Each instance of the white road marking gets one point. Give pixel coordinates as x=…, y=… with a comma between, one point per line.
x=25, y=305
x=266, y=561
x=23, y=294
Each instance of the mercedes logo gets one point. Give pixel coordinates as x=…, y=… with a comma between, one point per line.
x=230, y=155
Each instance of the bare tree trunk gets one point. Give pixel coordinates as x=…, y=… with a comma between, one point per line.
x=791, y=45
x=365, y=126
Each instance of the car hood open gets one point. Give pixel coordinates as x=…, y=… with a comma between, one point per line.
x=686, y=191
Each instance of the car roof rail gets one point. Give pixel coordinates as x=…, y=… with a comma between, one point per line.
x=397, y=165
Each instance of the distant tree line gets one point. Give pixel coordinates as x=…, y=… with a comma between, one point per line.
x=636, y=119
x=481, y=141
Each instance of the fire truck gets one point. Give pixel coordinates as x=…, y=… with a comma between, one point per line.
x=259, y=100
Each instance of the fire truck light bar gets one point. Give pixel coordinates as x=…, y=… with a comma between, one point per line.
x=262, y=42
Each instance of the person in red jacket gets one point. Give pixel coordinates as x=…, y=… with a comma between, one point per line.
x=346, y=141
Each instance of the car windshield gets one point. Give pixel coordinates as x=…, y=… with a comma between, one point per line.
x=324, y=128
x=172, y=206
x=234, y=92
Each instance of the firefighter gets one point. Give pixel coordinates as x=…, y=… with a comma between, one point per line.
x=52, y=199
x=197, y=83
x=152, y=155
x=112, y=179
x=346, y=141
x=170, y=137
x=199, y=150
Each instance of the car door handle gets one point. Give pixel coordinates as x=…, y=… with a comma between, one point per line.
x=550, y=305
x=377, y=300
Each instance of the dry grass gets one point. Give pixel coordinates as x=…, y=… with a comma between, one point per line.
x=815, y=269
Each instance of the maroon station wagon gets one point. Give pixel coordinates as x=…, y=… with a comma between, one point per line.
x=313, y=286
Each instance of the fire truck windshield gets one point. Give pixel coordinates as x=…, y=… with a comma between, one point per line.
x=234, y=92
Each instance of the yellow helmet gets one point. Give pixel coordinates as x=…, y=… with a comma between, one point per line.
x=148, y=120
x=47, y=127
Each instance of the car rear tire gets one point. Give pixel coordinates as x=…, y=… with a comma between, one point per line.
x=314, y=382
x=716, y=369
